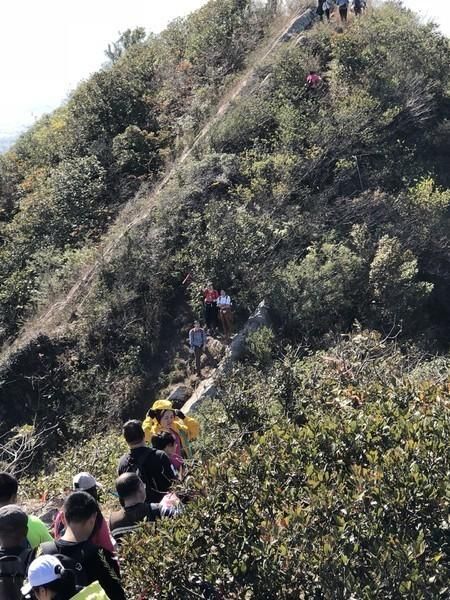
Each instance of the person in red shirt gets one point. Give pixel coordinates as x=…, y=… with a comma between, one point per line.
x=313, y=80
x=210, y=296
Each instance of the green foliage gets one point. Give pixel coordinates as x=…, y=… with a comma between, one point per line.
x=393, y=279
x=260, y=345
x=353, y=503
x=319, y=290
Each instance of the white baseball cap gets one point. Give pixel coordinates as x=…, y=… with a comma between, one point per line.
x=44, y=569
x=85, y=481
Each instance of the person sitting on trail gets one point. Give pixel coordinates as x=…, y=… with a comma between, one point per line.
x=225, y=313
x=197, y=344
x=15, y=551
x=48, y=580
x=135, y=511
x=210, y=296
x=100, y=536
x=76, y=552
x=343, y=9
x=165, y=442
x=37, y=530
x=313, y=80
x=152, y=466
x=163, y=417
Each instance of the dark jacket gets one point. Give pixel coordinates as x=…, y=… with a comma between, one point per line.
x=153, y=467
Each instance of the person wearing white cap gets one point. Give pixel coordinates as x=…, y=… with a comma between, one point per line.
x=101, y=536
x=48, y=580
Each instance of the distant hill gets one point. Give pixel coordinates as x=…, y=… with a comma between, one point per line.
x=6, y=141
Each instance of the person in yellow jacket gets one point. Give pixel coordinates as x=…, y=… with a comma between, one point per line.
x=163, y=417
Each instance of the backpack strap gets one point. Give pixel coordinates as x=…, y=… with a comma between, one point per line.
x=48, y=548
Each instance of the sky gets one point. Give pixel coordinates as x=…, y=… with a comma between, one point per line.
x=48, y=46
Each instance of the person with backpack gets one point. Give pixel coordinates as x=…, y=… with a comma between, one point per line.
x=163, y=417
x=77, y=553
x=152, y=466
x=15, y=551
x=48, y=580
x=37, y=530
x=101, y=535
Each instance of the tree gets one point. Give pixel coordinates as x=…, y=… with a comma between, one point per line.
x=127, y=39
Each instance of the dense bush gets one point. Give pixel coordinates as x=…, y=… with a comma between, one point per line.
x=351, y=502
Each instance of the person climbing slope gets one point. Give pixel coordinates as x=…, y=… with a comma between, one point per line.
x=162, y=417
x=152, y=466
x=15, y=551
x=37, y=530
x=197, y=344
x=313, y=80
x=90, y=562
x=100, y=536
x=48, y=580
x=210, y=296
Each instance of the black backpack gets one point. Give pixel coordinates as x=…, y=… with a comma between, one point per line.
x=136, y=465
x=13, y=570
x=74, y=562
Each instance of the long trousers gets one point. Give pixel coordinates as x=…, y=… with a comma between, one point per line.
x=343, y=12
x=211, y=315
x=197, y=356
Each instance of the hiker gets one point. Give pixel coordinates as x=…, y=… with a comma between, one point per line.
x=100, y=536
x=319, y=9
x=163, y=417
x=135, y=510
x=313, y=80
x=152, y=466
x=76, y=552
x=327, y=6
x=49, y=580
x=225, y=313
x=343, y=9
x=37, y=530
x=165, y=442
x=210, y=296
x=358, y=6
x=15, y=551
x=197, y=343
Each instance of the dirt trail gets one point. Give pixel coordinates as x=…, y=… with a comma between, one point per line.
x=54, y=316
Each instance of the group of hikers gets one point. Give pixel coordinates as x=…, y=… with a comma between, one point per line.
x=79, y=556
x=217, y=310
x=325, y=7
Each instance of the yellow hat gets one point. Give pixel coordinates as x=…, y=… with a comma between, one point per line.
x=162, y=405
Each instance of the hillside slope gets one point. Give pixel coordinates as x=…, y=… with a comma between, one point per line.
x=323, y=469
x=332, y=204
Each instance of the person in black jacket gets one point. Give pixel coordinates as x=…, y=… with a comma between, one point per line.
x=89, y=562
x=152, y=466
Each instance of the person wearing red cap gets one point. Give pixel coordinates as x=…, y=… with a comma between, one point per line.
x=101, y=535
